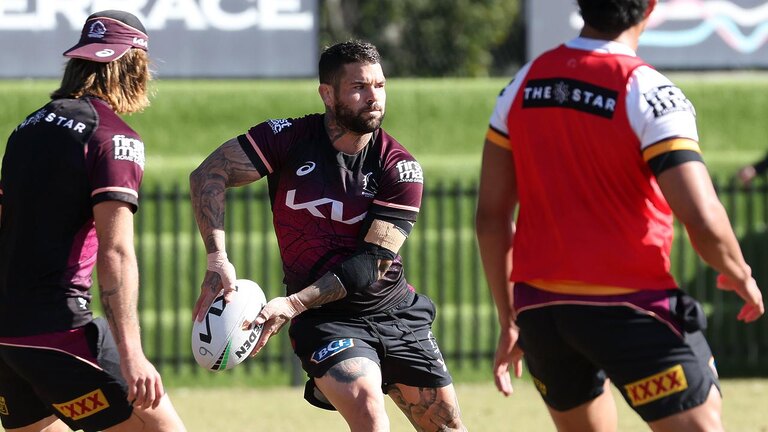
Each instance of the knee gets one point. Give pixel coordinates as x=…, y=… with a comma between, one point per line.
x=451, y=422
x=366, y=412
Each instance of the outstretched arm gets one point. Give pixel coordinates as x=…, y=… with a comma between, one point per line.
x=495, y=228
x=119, y=290
x=689, y=192
x=379, y=246
x=228, y=166
x=381, y=238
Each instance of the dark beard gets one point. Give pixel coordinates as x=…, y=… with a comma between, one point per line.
x=347, y=119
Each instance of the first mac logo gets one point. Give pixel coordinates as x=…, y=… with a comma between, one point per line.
x=84, y=406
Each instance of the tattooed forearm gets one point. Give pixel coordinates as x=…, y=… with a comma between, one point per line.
x=226, y=167
x=107, y=295
x=208, y=203
x=119, y=308
x=325, y=290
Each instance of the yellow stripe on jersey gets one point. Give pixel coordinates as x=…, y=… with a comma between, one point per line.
x=669, y=145
x=498, y=138
x=579, y=288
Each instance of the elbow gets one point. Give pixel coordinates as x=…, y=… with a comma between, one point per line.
x=482, y=220
x=706, y=221
x=195, y=179
x=488, y=223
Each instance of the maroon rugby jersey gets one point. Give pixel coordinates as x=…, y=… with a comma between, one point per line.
x=59, y=162
x=321, y=198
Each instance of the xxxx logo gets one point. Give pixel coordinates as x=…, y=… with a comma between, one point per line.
x=83, y=406
x=657, y=386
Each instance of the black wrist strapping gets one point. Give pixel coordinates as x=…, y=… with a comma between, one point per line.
x=358, y=271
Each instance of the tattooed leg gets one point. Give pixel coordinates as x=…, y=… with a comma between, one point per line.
x=353, y=386
x=428, y=409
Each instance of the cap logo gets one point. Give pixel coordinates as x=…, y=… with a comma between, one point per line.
x=97, y=31
x=105, y=53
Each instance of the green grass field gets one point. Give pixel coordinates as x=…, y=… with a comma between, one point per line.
x=483, y=409
x=283, y=409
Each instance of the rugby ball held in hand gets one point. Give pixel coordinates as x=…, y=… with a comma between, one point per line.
x=219, y=341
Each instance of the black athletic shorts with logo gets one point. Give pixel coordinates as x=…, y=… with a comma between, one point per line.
x=38, y=382
x=570, y=349
x=400, y=341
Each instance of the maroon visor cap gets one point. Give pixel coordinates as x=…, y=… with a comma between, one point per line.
x=108, y=35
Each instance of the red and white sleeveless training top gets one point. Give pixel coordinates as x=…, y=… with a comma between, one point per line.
x=582, y=120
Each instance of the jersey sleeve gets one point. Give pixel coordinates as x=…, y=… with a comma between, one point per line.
x=663, y=119
x=401, y=189
x=498, y=132
x=267, y=144
x=116, y=168
x=658, y=110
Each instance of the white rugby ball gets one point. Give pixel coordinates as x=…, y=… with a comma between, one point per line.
x=219, y=341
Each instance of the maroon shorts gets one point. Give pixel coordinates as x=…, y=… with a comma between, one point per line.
x=662, y=366
x=74, y=375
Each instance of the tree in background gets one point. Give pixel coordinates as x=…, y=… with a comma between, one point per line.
x=436, y=38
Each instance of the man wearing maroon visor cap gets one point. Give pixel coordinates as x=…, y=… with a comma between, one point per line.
x=108, y=35
x=68, y=190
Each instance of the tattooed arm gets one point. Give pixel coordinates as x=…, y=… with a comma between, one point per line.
x=228, y=166
x=119, y=289
x=280, y=310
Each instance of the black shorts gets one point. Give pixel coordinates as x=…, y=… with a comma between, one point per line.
x=400, y=341
x=38, y=382
x=571, y=348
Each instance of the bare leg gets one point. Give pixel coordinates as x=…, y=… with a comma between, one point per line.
x=428, y=409
x=597, y=415
x=161, y=419
x=705, y=417
x=354, y=388
x=48, y=424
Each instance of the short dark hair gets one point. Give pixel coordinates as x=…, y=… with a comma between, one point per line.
x=612, y=16
x=333, y=59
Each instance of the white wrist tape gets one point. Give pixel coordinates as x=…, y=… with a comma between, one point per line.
x=296, y=304
x=217, y=261
x=219, y=264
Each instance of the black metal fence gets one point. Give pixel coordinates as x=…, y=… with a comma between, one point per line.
x=441, y=260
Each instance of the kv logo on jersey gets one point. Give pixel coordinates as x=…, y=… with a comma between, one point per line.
x=337, y=208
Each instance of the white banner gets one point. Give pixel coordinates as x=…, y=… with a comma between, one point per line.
x=188, y=38
x=681, y=34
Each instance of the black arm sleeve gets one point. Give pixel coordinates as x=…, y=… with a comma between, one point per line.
x=361, y=269
x=671, y=159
